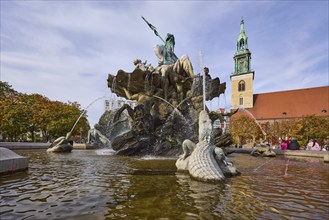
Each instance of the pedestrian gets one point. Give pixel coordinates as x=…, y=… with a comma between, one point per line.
x=288, y=141
x=294, y=145
x=313, y=145
x=284, y=145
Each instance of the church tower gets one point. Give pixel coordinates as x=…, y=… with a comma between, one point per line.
x=242, y=77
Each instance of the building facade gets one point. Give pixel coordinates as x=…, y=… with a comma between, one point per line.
x=113, y=104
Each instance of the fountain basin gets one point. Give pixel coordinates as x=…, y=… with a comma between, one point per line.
x=294, y=153
x=11, y=162
x=89, y=184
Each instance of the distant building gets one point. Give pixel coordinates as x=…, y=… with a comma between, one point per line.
x=112, y=104
x=274, y=105
x=107, y=105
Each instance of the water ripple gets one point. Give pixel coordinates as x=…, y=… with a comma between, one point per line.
x=92, y=185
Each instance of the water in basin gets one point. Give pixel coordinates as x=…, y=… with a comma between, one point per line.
x=94, y=184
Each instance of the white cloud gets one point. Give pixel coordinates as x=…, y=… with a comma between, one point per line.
x=64, y=50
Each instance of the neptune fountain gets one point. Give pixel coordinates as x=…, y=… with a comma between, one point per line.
x=165, y=121
x=170, y=117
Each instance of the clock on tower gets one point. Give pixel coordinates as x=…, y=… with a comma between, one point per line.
x=242, y=65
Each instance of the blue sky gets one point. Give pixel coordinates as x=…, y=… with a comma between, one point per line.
x=65, y=49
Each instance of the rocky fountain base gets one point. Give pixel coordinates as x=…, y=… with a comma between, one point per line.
x=168, y=101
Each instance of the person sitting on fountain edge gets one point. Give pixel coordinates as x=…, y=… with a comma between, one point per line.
x=294, y=145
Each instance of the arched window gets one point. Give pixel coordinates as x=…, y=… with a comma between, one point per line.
x=241, y=101
x=241, y=86
x=242, y=44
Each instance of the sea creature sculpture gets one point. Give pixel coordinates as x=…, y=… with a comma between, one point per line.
x=204, y=161
x=61, y=144
x=263, y=150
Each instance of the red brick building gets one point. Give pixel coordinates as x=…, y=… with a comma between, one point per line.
x=290, y=104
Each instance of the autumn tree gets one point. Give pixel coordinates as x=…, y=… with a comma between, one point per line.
x=314, y=127
x=300, y=128
x=11, y=116
x=244, y=128
x=272, y=130
x=63, y=117
x=22, y=114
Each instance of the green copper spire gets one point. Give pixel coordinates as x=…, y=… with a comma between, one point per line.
x=242, y=26
x=242, y=55
x=242, y=42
